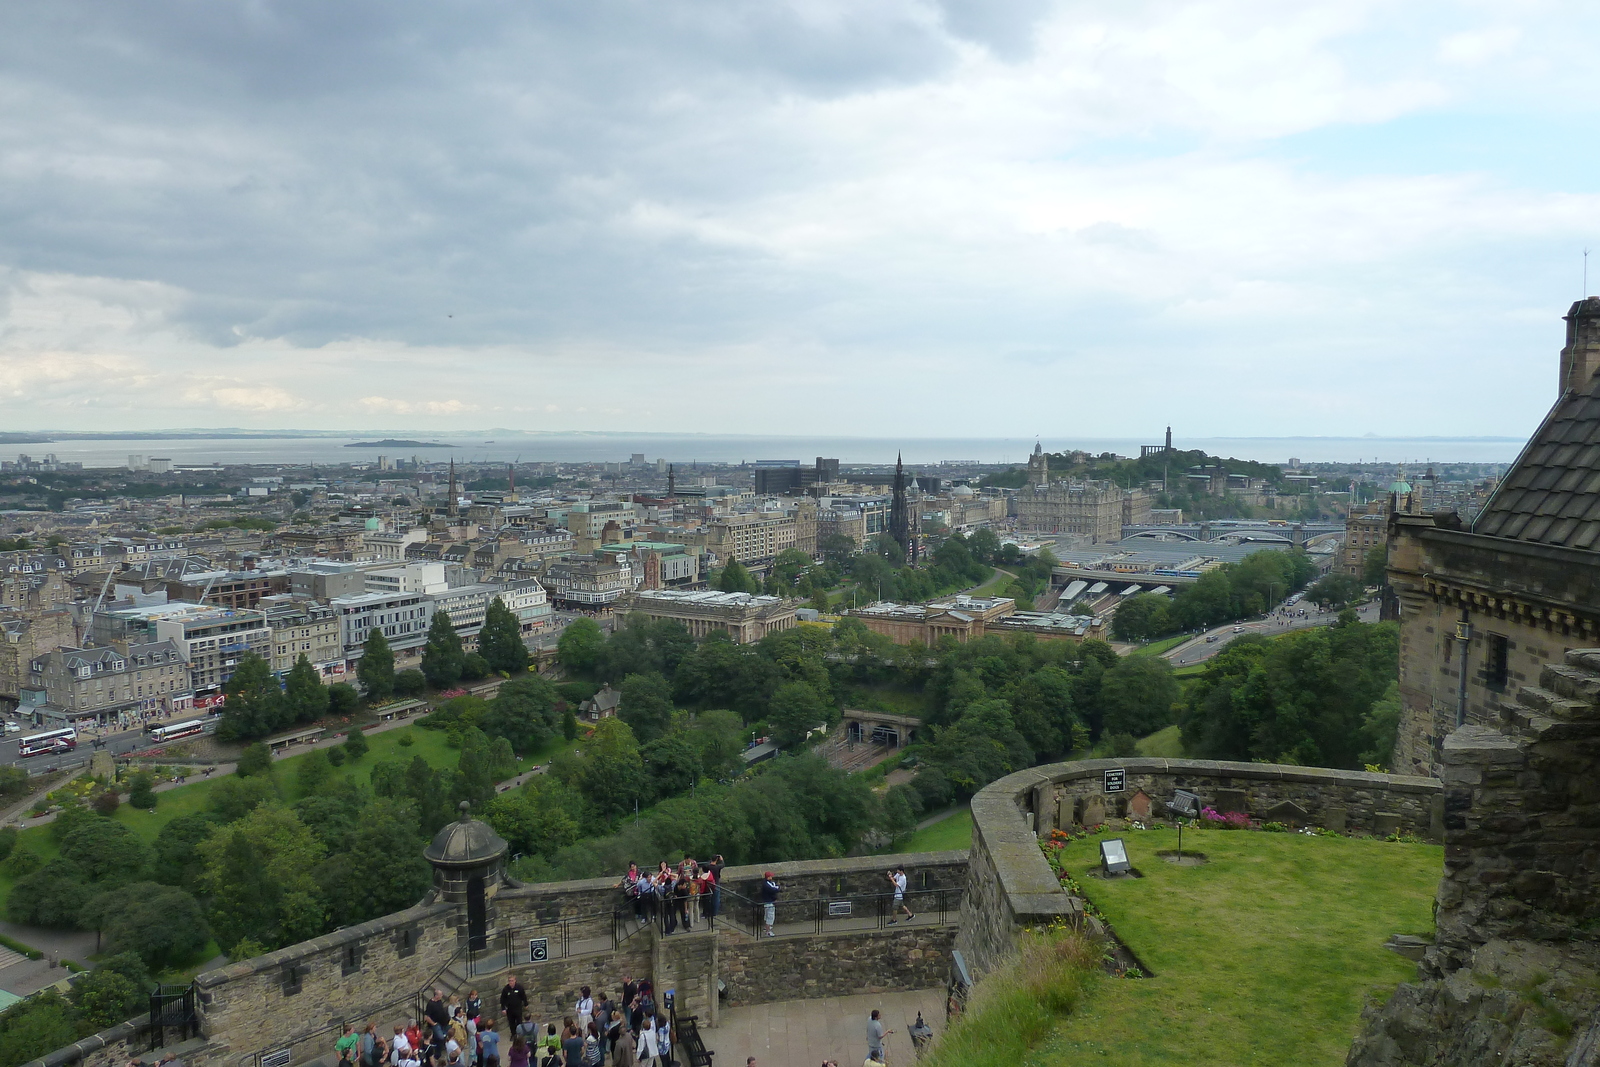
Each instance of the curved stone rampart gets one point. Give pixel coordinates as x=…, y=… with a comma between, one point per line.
x=1010, y=885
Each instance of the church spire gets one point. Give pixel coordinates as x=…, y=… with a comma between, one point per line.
x=450, y=508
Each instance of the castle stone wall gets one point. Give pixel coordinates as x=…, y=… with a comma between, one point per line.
x=1010, y=886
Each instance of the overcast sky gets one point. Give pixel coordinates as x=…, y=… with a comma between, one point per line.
x=967, y=218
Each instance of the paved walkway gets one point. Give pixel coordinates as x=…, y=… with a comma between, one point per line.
x=804, y=1033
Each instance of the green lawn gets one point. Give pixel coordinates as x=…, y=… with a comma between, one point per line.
x=994, y=585
x=1163, y=744
x=1264, y=955
x=953, y=831
x=1155, y=648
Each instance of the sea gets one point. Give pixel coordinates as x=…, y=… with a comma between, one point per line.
x=687, y=449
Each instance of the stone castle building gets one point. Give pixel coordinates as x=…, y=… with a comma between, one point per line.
x=1500, y=683
x=1484, y=608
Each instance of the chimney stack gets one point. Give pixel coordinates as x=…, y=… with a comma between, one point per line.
x=1581, y=358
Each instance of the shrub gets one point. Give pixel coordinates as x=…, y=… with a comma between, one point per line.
x=356, y=744
x=336, y=755
x=141, y=791
x=406, y=740
x=1233, y=820
x=8, y=840
x=107, y=803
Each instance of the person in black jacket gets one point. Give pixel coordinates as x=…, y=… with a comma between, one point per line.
x=513, y=1002
x=437, y=1013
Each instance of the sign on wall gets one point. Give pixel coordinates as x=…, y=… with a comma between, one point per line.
x=538, y=949
x=1116, y=780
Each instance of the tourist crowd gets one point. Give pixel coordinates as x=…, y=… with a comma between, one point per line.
x=675, y=895
x=628, y=1030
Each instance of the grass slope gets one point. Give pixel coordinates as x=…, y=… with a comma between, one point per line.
x=952, y=831
x=1155, y=648
x=1163, y=744
x=1265, y=955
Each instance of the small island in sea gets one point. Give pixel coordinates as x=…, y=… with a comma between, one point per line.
x=389, y=442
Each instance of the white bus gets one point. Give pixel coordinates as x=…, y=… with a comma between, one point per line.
x=174, y=731
x=49, y=741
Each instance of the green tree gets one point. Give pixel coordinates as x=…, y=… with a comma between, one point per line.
x=672, y=762
x=442, y=657
x=52, y=896
x=304, y=694
x=410, y=683
x=260, y=879
x=474, y=777
x=611, y=771
x=646, y=705
x=500, y=640
x=1140, y=618
x=1336, y=592
x=356, y=744
x=541, y=817
x=380, y=870
x=578, y=648
x=502, y=761
x=255, y=705
x=523, y=712
x=1380, y=727
x=106, y=852
x=342, y=699
x=233, y=798
x=161, y=924
x=735, y=578
x=569, y=725
x=254, y=761
x=113, y=992
x=14, y=782
x=1375, y=567
x=38, y=1026
x=1137, y=695
x=174, y=855
x=795, y=709
x=375, y=668
x=313, y=772
x=474, y=667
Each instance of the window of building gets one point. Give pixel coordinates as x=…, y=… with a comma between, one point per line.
x=1495, y=668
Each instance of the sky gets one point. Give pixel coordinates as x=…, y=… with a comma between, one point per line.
x=941, y=217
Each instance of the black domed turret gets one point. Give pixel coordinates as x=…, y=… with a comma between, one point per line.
x=465, y=843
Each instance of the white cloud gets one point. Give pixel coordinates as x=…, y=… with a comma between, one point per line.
x=764, y=216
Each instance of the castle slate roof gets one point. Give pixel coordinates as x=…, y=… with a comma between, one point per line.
x=1551, y=495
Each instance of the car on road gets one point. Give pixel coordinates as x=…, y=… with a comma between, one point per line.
x=1238, y=629
x=1212, y=638
x=13, y=727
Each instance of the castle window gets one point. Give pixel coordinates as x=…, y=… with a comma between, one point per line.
x=1495, y=669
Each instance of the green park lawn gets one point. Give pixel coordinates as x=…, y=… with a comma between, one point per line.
x=1166, y=743
x=1264, y=955
x=951, y=832
x=1155, y=648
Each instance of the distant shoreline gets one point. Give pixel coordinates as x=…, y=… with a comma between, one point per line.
x=391, y=443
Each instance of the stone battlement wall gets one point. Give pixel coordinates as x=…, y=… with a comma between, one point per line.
x=348, y=974
x=1010, y=885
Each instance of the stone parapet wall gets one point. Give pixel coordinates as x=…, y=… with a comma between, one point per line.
x=115, y=1047
x=839, y=965
x=1341, y=800
x=343, y=976
x=1010, y=885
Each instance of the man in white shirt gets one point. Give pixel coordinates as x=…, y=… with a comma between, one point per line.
x=897, y=878
x=399, y=1047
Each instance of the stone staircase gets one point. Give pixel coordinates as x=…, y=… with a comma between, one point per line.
x=1564, y=706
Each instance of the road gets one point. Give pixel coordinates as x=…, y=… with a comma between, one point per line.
x=124, y=741
x=1198, y=650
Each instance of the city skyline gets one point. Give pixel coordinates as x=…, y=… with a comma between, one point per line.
x=1331, y=220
